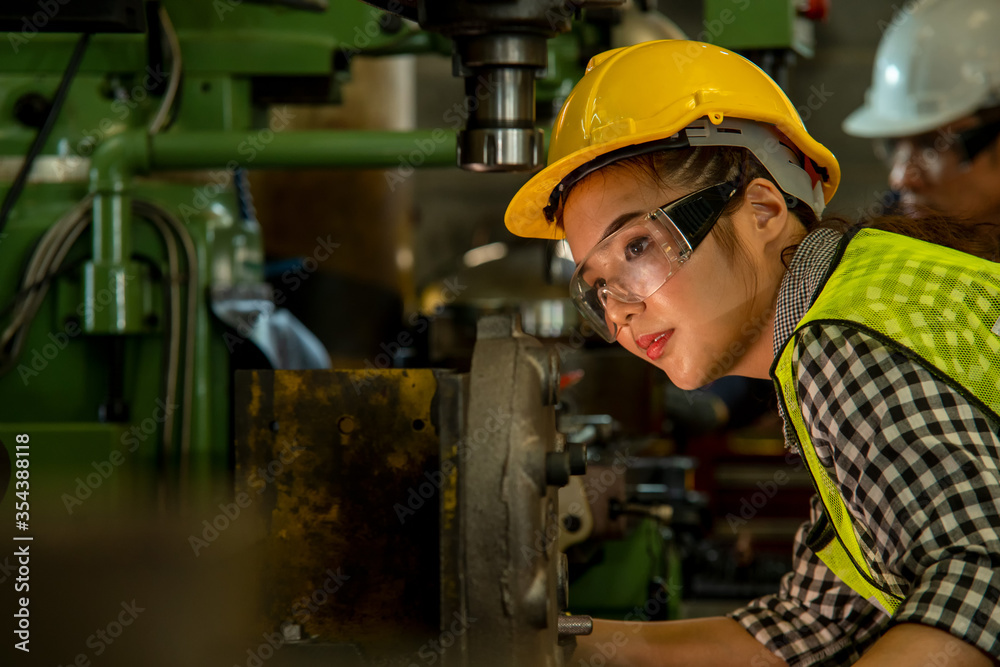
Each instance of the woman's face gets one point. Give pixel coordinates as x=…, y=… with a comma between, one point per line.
x=701, y=324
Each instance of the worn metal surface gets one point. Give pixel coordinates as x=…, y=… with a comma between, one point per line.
x=351, y=504
x=432, y=494
x=506, y=518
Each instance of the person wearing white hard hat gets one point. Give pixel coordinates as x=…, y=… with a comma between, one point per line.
x=933, y=107
x=690, y=193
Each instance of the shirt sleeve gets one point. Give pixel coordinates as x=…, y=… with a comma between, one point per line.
x=918, y=466
x=814, y=619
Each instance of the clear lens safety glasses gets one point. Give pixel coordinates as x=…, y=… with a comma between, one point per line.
x=632, y=263
x=930, y=148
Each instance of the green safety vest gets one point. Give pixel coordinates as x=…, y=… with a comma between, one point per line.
x=938, y=306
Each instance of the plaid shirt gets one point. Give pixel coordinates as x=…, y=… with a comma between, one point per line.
x=918, y=468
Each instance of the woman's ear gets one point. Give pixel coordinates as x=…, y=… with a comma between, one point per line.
x=768, y=209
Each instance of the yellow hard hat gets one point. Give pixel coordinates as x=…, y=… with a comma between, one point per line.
x=673, y=93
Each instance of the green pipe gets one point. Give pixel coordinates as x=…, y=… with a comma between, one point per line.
x=116, y=159
x=112, y=281
x=267, y=149
x=111, y=233
x=112, y=286
x=111, y=168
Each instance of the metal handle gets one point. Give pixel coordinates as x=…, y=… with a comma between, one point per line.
x=574, y=625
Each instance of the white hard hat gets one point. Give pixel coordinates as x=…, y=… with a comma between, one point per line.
x=938, y=61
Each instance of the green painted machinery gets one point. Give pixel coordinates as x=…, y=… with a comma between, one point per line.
x=108, y=362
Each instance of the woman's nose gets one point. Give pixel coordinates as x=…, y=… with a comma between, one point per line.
x=620, y=312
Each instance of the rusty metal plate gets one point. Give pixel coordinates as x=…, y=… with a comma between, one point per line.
x=343, y=470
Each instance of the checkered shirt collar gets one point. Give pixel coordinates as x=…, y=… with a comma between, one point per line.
x=805, y=275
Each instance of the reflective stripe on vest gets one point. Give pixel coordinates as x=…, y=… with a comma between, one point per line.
x=937, y=306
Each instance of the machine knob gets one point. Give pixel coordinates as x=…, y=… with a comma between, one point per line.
x=577, y=458
x=31, y=109
x=557, y=468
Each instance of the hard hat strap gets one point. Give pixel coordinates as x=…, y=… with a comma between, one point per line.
x=765, y=142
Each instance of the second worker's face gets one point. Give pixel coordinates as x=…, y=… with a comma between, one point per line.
x=931, y=171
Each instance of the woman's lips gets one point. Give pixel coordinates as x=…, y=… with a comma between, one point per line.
x=653, y=344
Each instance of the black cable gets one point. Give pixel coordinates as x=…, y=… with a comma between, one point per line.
x=43, y=133
x=28, y=289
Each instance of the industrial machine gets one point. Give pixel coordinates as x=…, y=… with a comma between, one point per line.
x=134, y=287
x=133, y=269
x=468, y=467
x=150, y=282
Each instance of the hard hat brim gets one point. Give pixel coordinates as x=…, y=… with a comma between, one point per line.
x=866, y=123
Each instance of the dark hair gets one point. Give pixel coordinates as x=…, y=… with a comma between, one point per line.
x=981, y=239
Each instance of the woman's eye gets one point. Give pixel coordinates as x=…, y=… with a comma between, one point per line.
x=636, y=247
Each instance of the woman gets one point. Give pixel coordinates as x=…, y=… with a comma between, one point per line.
x=690, y=193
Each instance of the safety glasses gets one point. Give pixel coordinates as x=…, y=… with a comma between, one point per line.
x=931, y=146
x=633, y=262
